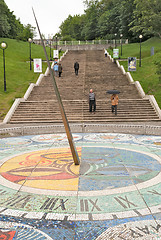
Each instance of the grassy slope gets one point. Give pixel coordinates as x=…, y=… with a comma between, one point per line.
x=146, y=74
x=18, y=74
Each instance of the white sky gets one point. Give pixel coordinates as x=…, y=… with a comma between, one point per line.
x=49, y=13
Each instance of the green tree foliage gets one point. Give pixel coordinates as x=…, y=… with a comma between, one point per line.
x=90, y=29
x=104, y=18
x=109, y=20
x=101, y=20
x=147, y=17
x=26, y=32
x=71, y=28
x=4, y=24
x=10, y=27
x=127, y=8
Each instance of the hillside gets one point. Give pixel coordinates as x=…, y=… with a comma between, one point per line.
x=18, y=74
x=146, y=74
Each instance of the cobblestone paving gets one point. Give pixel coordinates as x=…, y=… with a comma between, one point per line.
x=115, y=193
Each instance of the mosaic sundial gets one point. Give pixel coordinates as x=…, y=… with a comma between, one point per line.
x=118, y=179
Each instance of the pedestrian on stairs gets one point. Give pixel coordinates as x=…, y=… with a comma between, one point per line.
x=76, y=67
x=92, y=101
x=105, y=53
x=114, y=103
x=60, y=69
x=55, y=68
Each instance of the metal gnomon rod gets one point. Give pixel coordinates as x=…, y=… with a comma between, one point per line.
x=65, y=120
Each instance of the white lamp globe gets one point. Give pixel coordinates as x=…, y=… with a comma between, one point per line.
x=3, y=45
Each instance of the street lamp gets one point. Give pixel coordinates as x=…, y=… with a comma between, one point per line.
x=115, y=39
x=56, y=42
x=3, y=46
x=30, y=41
x=121, y=35
x=141, y=36
x=50, y=51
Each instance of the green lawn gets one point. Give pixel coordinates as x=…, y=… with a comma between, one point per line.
x=18, y=74
x=146, y=74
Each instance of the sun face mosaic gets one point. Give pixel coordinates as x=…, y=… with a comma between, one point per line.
x=115, y=189
x=53, y=169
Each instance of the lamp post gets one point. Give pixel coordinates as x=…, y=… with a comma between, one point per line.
x=115, y=39
x=30, y=41
x=141, y=36
x=3, y=46
x=56, y=42
x=50, y=51
x=121, y=35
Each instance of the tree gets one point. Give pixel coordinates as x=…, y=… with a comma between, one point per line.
x=11, y=27
x=107, y=17
x=26, y=32
x=104, y=18
x=127, y=8
x=147, y=18
x=90, y=29
x=72, y=27
x=4, y=24
x=104, y=25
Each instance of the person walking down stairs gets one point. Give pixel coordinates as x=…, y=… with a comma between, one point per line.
x=55, y=68
x=76, y=67
x=60, y=69
x=114, y=103
x=92, y=101
x=105, y=53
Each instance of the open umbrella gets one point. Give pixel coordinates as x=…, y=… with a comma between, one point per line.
x=114, y=91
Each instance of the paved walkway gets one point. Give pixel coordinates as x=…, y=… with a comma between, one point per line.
x=115, y=193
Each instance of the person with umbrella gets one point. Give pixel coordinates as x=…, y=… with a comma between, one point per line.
x=114, y=99
x=114, y=103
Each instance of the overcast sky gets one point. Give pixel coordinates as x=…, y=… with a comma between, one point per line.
x=50, y=13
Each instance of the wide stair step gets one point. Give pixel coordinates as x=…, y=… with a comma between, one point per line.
x=78, y=111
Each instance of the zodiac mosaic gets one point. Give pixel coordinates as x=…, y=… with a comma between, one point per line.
x=115, y=192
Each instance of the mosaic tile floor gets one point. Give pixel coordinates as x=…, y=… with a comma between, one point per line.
x=115, y=193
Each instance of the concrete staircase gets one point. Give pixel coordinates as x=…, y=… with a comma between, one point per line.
x=95, y=72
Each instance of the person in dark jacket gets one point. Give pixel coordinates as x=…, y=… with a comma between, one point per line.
x=76, y=67
x=60, y=69
x=92, y=101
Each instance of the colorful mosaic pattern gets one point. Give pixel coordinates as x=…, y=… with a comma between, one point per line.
x=115, y=193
